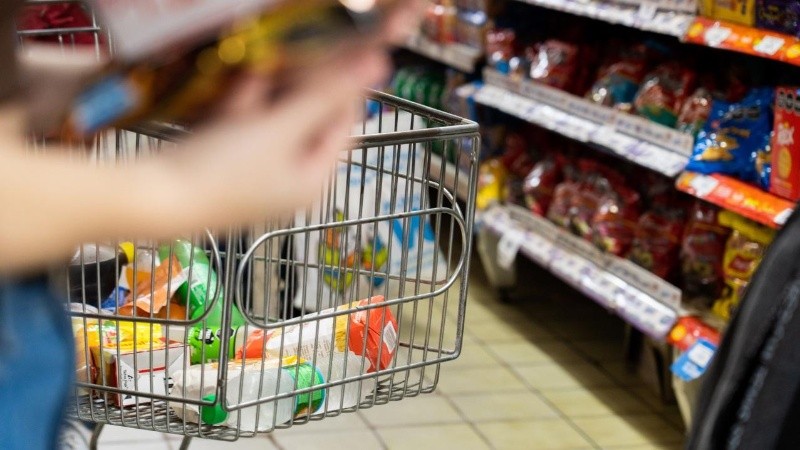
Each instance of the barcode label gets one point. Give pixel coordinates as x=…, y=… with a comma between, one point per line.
x=390, y=337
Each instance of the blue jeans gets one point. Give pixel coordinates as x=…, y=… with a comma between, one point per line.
x=36, y=365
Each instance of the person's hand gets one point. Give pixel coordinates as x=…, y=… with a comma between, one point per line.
x=262, y=159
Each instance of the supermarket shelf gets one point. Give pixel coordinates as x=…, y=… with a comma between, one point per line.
x=737, y=196
x=670, y=17
x=634, y=138
x=744, y=39
x=642, y=299
x=450, y=174
x=459, y=56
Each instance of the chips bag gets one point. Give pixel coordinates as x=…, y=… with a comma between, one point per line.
x=702, y=250
x=663, y=93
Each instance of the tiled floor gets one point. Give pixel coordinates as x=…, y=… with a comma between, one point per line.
x=544, y=372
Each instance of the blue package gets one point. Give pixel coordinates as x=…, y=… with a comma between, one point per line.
x=115, y=300
x=734, y=135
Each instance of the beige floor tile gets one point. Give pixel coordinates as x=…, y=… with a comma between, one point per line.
x=621, y=372
x=422, y=410
x=518, y=353
x=649, y=447
x=479, y=380
x=473, y=354
x=494, y=332
x=456, y=436
x=563, y=376
x=643, y=429
x=595, y=402
x=534, y=435
x=342, y=440
x=505, y=406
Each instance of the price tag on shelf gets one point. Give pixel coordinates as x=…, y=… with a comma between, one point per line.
x=703, y=185
x=769, y=45
x=693, y=363
x=508, y=248
x=783, y=216
x=716, y=35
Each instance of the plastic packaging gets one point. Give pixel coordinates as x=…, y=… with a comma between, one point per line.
x=249, y=382
x=663, y=93
x=702, y=250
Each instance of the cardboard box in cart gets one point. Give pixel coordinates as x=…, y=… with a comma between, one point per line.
x=131, y=369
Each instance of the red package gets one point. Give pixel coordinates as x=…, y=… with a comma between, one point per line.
x=695, y=111
x=560, y=209
x=539, y=186
x=663, y=93
x=516, y=157
x=615, y=221
x=501, y=44
x=689, y=330
x=619, y=79
x=555, y=63
x=702, y=252
x=656, y=242
x=57, y=15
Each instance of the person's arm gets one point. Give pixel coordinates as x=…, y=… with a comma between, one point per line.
x=258, y=161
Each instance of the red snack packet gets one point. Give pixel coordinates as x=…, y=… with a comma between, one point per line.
x=560, y=209
x=663, y=93
x=656, y=242
x=555, y=63
x=615, y=221
x=540, y=184
x=702, y=252
x=516, y=157
x=380, y=328
x=57, y=15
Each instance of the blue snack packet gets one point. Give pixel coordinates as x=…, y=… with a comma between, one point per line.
x=734, y=136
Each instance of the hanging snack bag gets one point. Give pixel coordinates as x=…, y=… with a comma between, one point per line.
x=743, y=253
x=702, y=250
x=663, y=93
x=734, y=134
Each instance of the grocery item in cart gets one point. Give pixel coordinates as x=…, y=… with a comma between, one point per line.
x=743, y=253
x=785, y=180
x=735, y=133
x=54, y=16
x=200, y=288
x=782, y=16
x=152, y=293
x=93, y=274
x=249, y=381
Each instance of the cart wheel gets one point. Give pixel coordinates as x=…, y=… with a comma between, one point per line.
x=504, y=294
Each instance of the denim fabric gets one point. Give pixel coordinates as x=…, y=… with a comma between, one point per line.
x=36, y=365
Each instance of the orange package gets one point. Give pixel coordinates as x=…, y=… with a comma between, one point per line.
x=152, y=293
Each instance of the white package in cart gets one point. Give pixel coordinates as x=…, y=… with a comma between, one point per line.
x=337, y=262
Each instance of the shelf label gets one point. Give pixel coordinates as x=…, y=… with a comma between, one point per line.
x=769, y=45
x=508, y=248
x=703, y=185
x=693, y=363
x=717, y=35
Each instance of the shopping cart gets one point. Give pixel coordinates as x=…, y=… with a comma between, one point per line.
x=230, y=333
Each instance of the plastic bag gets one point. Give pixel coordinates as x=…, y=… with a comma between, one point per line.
x=663, y=93
x=702, y=250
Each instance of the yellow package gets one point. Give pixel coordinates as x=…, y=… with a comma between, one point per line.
x=743, y=254
x=737, y=11
x=491, y=183
x=126, y=335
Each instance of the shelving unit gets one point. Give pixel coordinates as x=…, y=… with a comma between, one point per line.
x=633, y=138
x=642, y=299
x=458, y=56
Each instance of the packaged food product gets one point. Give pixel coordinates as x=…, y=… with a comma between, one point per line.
x=152, y=293
x=743, y=253
x=689, y=330
x=93, y=273
x=247, y=382
x=54, y=16
x=615, y=221
x=702, y=250
x=734, y=134
x=501, y=46
x=782, y=16
x=491, y=183
x=516, y=157
x=785, y=179
x=540, y=184
x=738, y=11
x=618, y=81
x=663, y=93
x=656, y=242
x=555, y=63
x=695, y=111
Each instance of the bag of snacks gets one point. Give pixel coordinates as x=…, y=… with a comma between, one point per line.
x=657, y=241
x=702, y=251
x=663, y=93
x=539, y=186
x=618, y=81
x=555, y=63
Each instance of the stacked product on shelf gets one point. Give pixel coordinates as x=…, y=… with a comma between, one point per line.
x=459, y=21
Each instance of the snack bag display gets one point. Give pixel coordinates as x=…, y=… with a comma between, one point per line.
x=734, y=135
x=618, y=81
x=785, y=177
x=743, y=253
x=702, y=251
x=782, y=16
x=615, y=222
x=663, y=93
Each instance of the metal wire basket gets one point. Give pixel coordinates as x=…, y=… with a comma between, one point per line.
x=351, y=304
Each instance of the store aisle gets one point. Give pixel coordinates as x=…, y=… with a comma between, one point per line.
x=544, y=372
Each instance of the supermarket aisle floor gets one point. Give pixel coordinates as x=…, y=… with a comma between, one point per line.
x=544, y=372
